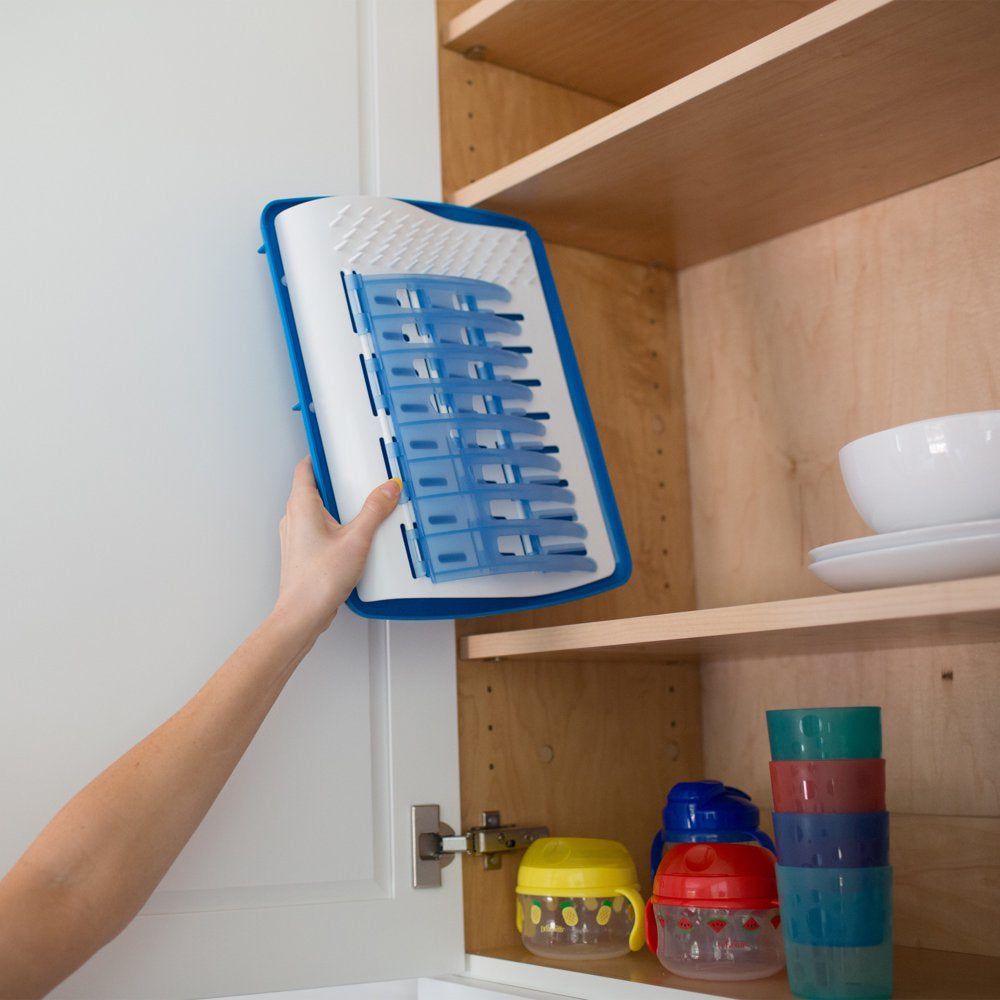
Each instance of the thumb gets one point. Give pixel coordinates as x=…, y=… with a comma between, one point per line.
x=379, y=504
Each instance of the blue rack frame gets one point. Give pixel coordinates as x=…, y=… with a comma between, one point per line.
x=448, y=608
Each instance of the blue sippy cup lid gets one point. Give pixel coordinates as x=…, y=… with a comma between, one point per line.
x=695, y=807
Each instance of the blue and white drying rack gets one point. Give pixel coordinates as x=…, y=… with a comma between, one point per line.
x=428, y=343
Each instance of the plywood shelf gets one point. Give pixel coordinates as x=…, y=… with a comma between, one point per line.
x=959, y=611
x=918, y=973
x=853, y=103
x=618, y=50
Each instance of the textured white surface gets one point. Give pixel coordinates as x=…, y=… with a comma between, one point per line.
x=322, y=238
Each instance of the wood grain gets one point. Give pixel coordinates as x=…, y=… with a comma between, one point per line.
x=941, y=737
x=946, y=882
x=618, y=50
x=793, y=348
x=587, y=749
x=931, y=614
x=918, y=974
x=857, y=101
x=790, y=349
x=491, y=116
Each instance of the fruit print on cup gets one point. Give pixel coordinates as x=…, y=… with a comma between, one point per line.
x=714, y=912
x=578, y=898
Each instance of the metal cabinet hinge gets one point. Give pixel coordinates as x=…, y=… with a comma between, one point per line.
x=435, y=844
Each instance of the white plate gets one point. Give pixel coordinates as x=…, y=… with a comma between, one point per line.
x=893, y=539
x=922, y=562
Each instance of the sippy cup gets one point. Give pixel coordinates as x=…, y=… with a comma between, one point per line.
x=714, y=912
x=706, y=812
x=578, y=897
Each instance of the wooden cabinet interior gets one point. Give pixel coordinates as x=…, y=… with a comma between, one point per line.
x=722, y=392
x=769, y=138
x=616, y=51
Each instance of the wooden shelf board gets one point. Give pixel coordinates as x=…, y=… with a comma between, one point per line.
x=918, y=974
x=853, y=103
x=959, y=611
x=618, y=50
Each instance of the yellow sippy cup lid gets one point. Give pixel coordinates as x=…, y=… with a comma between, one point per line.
x=575, y=866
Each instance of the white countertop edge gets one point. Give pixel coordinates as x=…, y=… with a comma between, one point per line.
x=566, y=983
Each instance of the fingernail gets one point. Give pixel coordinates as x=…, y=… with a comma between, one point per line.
x=392, y=488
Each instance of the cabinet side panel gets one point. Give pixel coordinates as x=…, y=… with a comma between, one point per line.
x=587, y=749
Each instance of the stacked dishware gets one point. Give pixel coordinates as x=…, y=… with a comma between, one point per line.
x=931, y=492
x=832, y=834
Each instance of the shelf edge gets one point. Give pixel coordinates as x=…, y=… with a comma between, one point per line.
x=470, y=19
x=956, y=599
x=798, y=33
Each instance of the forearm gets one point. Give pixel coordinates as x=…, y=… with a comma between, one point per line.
x=92, y=868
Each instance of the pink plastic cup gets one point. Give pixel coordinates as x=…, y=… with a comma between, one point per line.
x=828, y=786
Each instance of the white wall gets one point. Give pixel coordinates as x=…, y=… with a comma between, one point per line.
x=147, y=438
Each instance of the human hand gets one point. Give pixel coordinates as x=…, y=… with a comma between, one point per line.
x=322, y=560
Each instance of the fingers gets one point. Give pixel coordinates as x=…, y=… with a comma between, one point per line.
x=304, y=495
x=303, y=478
x=380, y=503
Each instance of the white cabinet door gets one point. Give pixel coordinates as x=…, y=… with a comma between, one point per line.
x=147, y=444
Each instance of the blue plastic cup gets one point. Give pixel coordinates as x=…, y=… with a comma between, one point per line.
x=825, y=733
x=836, y=907
x=832, y=840
x=826, y=973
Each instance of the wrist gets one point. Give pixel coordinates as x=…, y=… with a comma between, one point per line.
x=300, y=624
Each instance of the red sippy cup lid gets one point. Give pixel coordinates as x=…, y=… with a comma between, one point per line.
x=740, y=876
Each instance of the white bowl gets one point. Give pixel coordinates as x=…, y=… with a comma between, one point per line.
x=940, y=471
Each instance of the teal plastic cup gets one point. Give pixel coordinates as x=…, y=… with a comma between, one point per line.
x=825, y=733
x=824, y=973
x=837, y=929
x=836, y=907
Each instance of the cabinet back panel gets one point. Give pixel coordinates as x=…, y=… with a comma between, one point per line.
x=940, y=735
x=872, y=319
x=796, y=346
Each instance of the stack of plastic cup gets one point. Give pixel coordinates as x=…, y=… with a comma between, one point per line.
x=832, y=834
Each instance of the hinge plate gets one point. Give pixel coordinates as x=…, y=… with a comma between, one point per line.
x=435, y=844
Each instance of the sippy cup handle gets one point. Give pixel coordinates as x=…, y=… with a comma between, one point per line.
x=518, y=915
x=652, y=935
x=764, y=840
x=637, y=937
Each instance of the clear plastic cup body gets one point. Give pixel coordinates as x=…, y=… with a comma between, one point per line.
x=717, y=942
x=573, y=927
